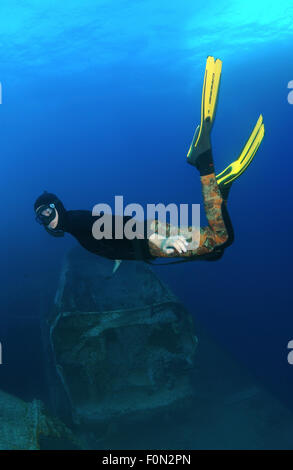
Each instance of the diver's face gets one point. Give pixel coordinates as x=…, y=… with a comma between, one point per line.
x=47, y=212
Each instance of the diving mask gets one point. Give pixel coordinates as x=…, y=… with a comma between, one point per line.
x=45, y=214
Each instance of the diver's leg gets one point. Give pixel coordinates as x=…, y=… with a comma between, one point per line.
x=213, y=238
x=219, y=233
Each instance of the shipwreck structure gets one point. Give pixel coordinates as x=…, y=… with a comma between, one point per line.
x=125, y=370
x=23, y=425
x=122, y=345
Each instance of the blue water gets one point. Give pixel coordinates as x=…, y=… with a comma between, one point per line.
x=102, y=98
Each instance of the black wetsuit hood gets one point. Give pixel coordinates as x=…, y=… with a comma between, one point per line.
x=49, y=198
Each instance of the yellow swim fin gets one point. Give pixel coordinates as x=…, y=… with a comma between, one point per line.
x=201, y=145
x=236, y=168
x=211, y=85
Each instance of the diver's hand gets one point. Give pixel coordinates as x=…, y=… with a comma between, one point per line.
x=177, y=243
x=171, y=244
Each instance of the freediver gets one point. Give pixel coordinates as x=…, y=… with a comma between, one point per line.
x=213, y=239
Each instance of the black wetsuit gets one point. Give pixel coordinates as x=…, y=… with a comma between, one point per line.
x=80, y=224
